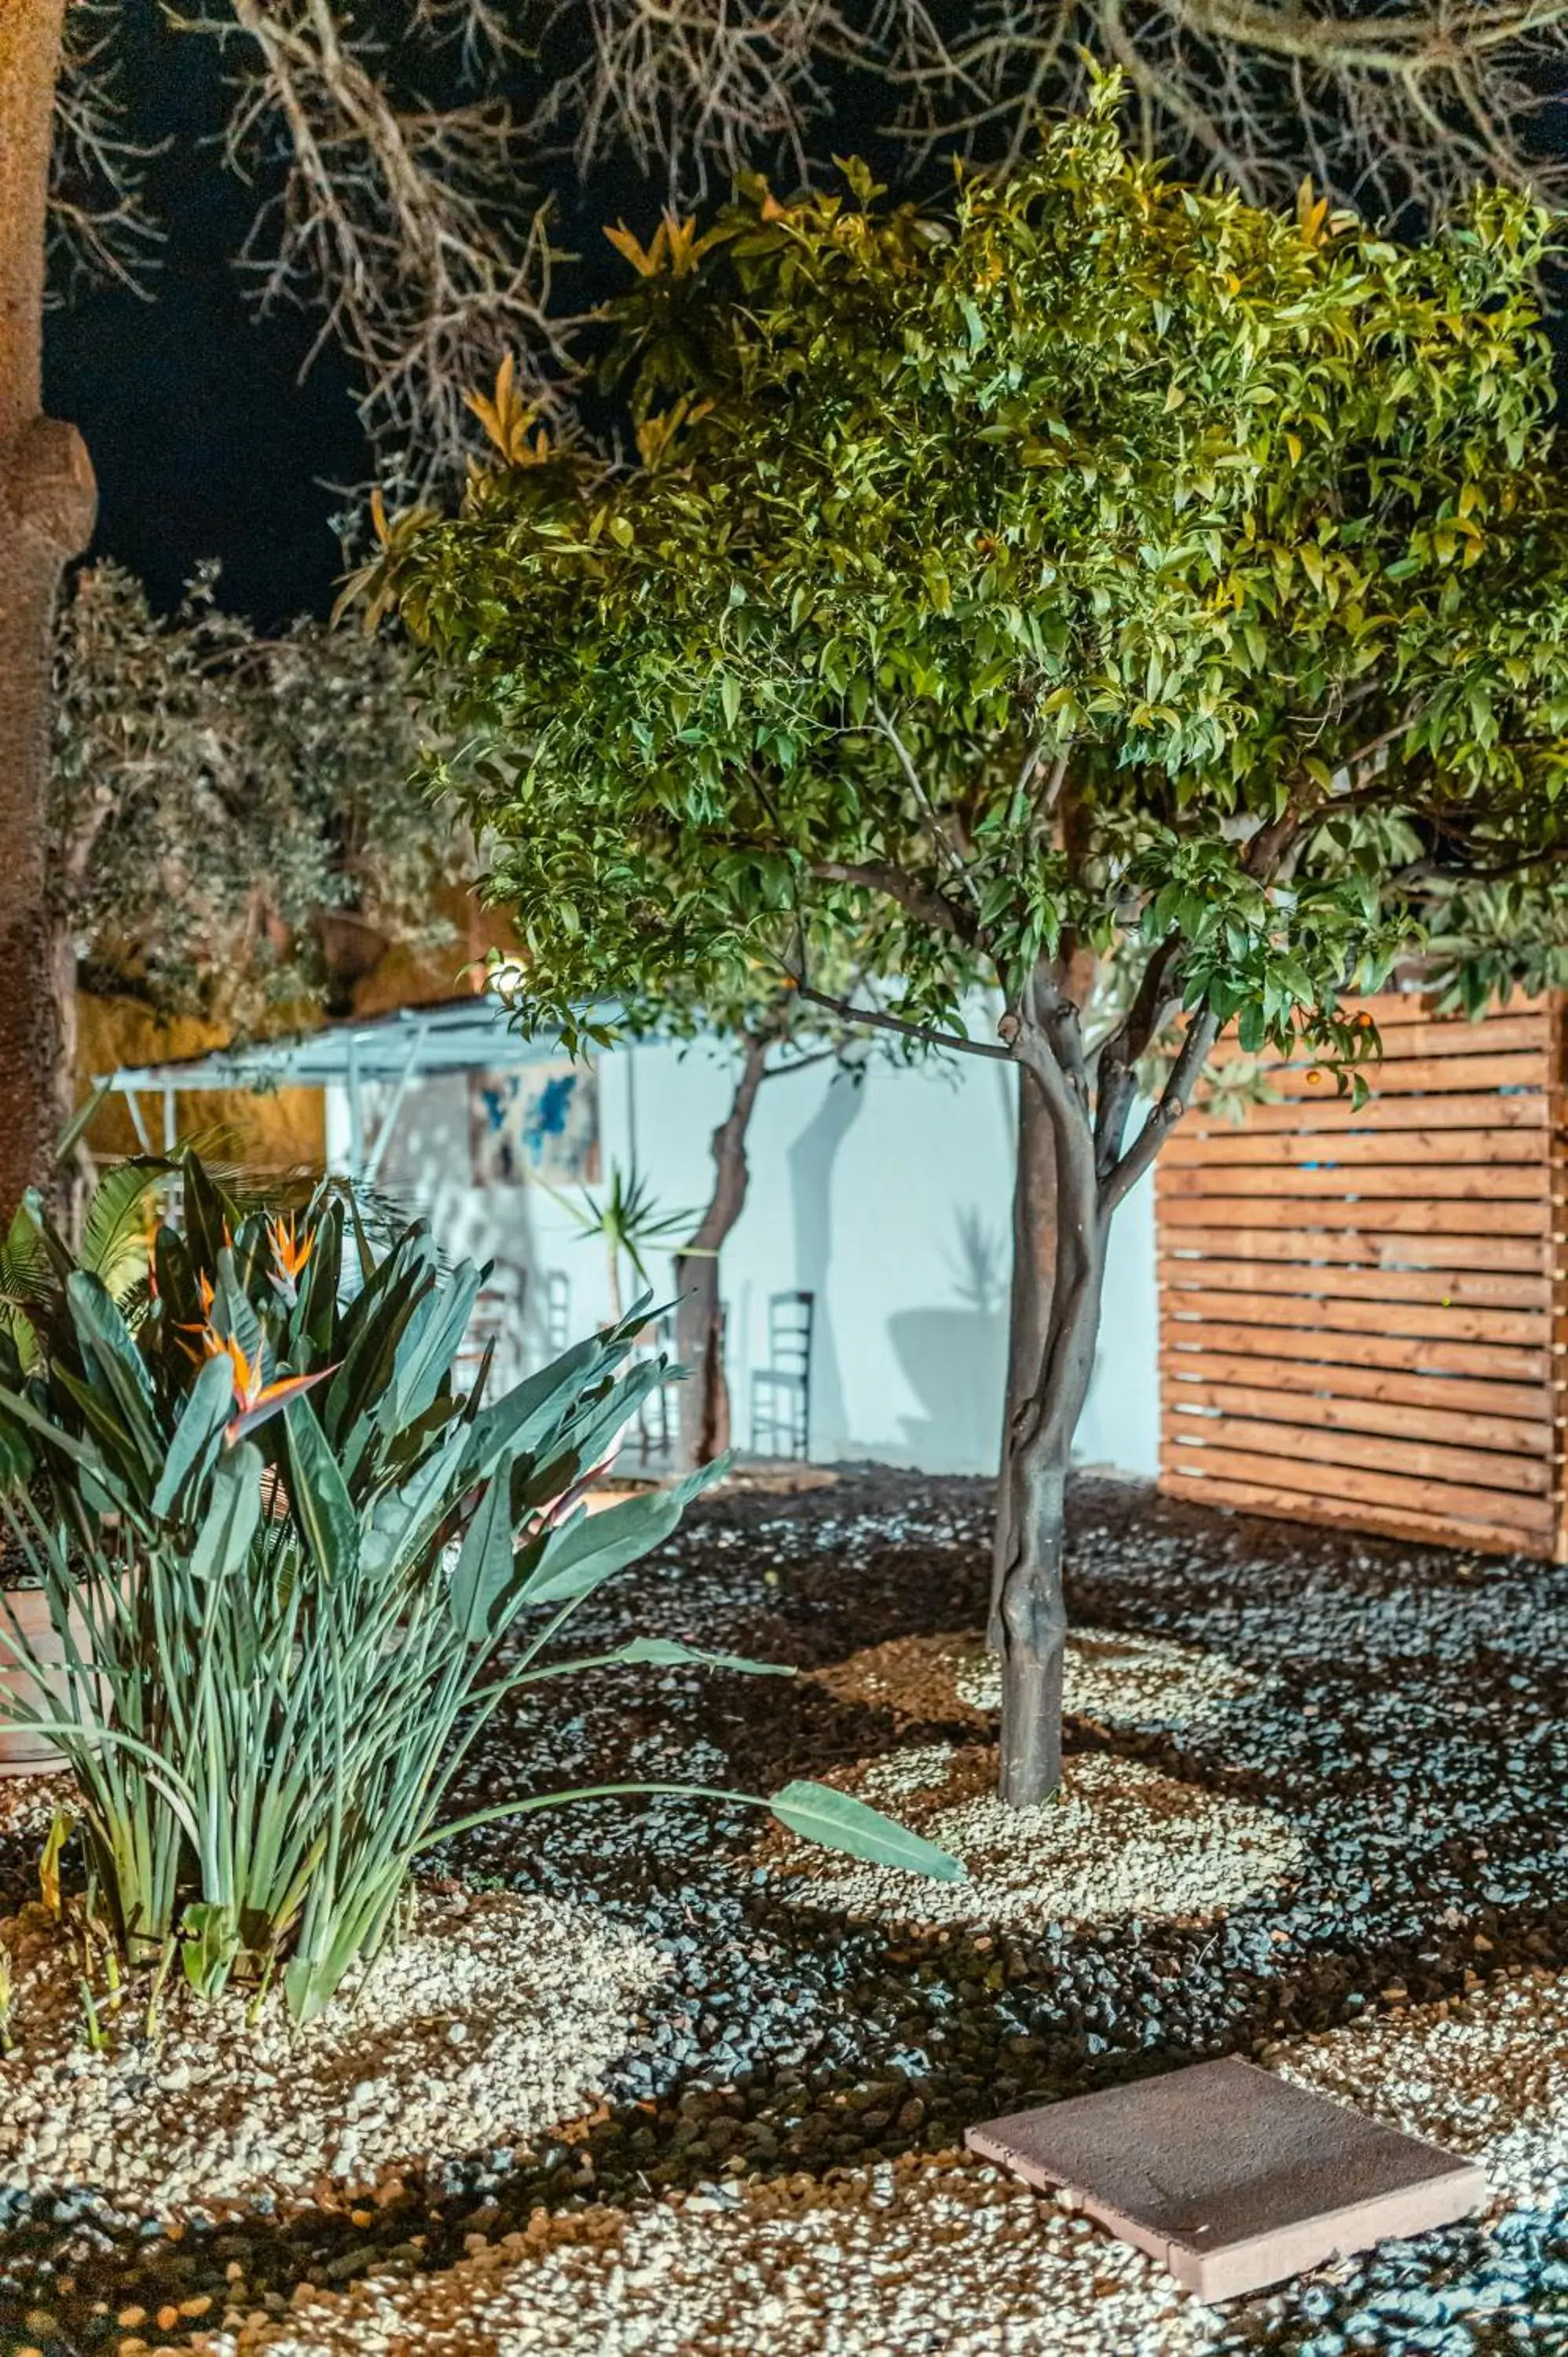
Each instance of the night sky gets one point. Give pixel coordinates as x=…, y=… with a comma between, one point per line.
x=206, y=438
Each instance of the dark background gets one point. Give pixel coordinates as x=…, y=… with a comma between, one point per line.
x=207, y=439
x=210, y=437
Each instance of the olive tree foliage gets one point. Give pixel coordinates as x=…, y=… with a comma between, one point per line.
x=233, y=819
x=1094, y=568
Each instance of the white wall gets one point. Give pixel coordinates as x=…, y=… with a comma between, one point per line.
x=887, y=1199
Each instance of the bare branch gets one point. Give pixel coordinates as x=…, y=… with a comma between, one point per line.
x=1385, y=107
x=702, y=88
x=920, y=1031
x=801, y=1064
x=100, y=230
x=406, y=225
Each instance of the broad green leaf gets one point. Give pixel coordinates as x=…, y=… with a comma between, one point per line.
x=197, y=1434
x=233, y=1512
x=835, y=1820
x=483, y=1572
x=113, y=1355
x=317, y=1493
x=591, y=1548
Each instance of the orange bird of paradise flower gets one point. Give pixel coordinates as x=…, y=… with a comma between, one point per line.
x=291, y=1252
x=254, y=1399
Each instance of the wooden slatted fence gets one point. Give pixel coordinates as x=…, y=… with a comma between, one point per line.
x=1361, y=1311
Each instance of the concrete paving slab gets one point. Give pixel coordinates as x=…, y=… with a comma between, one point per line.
x=1232, y=2177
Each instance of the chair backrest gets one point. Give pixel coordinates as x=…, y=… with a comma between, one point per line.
x=781, y=1392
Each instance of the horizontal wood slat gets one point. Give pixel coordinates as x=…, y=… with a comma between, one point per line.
x=1452, y=1035
x=1462, y=1215
x=1527, y=1327
x=1423, y=1355
x=1363, y=1308
x=1331, y=1115
x=1355, y=1247
x=1433, y=1181
x=1524, y=1068
x=1455, y=1287
x=1393, y=1009
x=1528, y=1518
x=1440, y=1037
x=1510, y=1435
x=1240, y=1148
x=1307, y=1444
x=1521, y=1405
x=1347, y=1514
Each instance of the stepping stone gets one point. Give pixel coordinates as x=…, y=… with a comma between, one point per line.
x=1230, y=2176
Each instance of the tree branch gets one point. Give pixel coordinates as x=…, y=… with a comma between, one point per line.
x=880, y=1022
x=1202, y=1030
x=1153, y=1004
x=878, y=875
x=917, y=787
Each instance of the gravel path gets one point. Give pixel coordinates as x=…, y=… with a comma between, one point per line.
x=947, y=2254
x=1402, y=1714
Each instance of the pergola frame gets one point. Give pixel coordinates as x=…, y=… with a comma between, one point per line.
x=398, y=1049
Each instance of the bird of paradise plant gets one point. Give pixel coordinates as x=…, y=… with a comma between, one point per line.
x=286, y=1619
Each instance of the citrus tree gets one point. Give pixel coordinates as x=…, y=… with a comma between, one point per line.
x=1093, y=570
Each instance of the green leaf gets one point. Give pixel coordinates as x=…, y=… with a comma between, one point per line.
x=534, y=1408
x=233, y=1512
x=835, y=1820
x=317, y=1494
x=208, y=1945
x=668, y=1652
x=583, y=1553
x=197, y=1433
x=112, y=1354
x=484, y=1571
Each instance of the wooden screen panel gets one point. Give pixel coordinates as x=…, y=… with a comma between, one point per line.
x=1361, y=1308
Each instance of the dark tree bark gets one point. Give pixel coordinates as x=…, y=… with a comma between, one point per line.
x=1059, y=1231
x=1032, y=1283
x=704, y=1404
x=47, y=508
x=1078, y=1114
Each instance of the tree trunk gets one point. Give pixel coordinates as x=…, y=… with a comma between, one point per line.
x=704, y=1404
x=1029, y=1314
x=47, y=508
x=1058, y=1271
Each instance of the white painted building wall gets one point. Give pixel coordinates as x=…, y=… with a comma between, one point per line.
x=887, y=1199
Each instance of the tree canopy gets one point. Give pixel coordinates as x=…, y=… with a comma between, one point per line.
x=219, y=797
x=1067, y=566
x=1096, y=571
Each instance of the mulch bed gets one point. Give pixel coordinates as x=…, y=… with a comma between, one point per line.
x=1411, y=1722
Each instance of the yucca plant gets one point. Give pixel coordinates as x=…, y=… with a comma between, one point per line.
x=294, y=1573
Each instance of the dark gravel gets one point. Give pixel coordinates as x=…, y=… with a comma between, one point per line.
x=1415, y=1730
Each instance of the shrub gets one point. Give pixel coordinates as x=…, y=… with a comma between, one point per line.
x=296, y=1572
